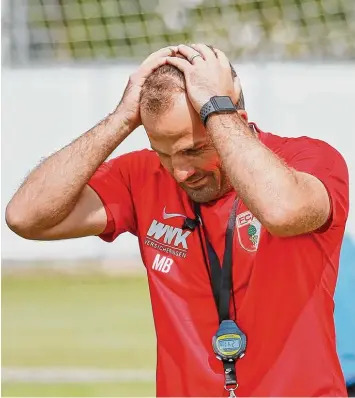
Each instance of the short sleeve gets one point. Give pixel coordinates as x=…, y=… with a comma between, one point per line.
x=112, y=183
x=324, y=162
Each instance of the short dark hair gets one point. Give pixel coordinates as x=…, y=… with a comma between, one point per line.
x=159, y=87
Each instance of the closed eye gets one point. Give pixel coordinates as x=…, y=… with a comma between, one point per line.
x=194, y=151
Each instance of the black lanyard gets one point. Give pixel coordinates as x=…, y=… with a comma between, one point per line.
x=229, y=343
x=221, y=277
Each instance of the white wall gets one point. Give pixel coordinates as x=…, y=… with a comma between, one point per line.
x=44, y=109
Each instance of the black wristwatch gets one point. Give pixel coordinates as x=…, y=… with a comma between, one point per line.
x=217, y=104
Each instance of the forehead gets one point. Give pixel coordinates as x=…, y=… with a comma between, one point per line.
x=179, y=128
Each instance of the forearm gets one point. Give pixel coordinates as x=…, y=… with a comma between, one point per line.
x=51, y=190
x=266, y=185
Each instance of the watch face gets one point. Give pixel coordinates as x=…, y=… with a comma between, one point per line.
x=223, y=103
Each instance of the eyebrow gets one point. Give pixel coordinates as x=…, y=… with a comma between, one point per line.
x=194, y=146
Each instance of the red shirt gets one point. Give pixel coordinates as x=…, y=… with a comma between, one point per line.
x=283, y=287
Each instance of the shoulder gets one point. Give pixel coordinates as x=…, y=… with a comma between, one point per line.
x=132, y=169
x=138, y=158
x=136, y=164
x=292, y=149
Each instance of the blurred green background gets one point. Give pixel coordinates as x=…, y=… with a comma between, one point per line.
x=77, y=321
x=62, y=31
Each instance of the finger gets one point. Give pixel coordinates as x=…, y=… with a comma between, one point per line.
x=207, y=52
x=170, y=50
x=180, y=63
x=223, y=59
x=212, y=48
x=150, y=66
x=189, y=53
x=228, y=67
x=163, y=52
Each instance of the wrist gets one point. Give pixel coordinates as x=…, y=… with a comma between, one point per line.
x=124, y=118
x=114, y=127
x=218, y=104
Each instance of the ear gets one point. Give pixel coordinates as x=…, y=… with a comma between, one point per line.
x=243, y=114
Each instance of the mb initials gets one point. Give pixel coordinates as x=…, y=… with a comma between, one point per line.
x=162, y=264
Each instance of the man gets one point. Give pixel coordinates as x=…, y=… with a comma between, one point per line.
x=285, y=201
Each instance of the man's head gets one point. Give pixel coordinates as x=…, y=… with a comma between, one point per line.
x=179, y=137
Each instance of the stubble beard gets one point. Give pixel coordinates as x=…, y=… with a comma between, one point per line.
x=213, y=190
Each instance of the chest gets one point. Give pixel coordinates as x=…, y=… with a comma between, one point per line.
x=176, y=258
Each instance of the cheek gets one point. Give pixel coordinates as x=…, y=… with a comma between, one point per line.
x=208, y=162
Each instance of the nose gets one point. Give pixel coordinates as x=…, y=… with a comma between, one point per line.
x=182, y=175
x=182, y=171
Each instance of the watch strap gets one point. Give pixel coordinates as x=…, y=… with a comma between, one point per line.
x=206, y=110
x=212, y=106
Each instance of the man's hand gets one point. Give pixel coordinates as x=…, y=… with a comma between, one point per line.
x=207, y=73
x=55, y=202
x=129, y=103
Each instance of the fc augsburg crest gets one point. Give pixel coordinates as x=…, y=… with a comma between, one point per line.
x=248, y=228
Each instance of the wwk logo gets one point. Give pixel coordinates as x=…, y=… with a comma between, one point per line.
x=168, y=239
x=168, y=234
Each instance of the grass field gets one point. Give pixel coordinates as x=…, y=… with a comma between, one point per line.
x=89, y=322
